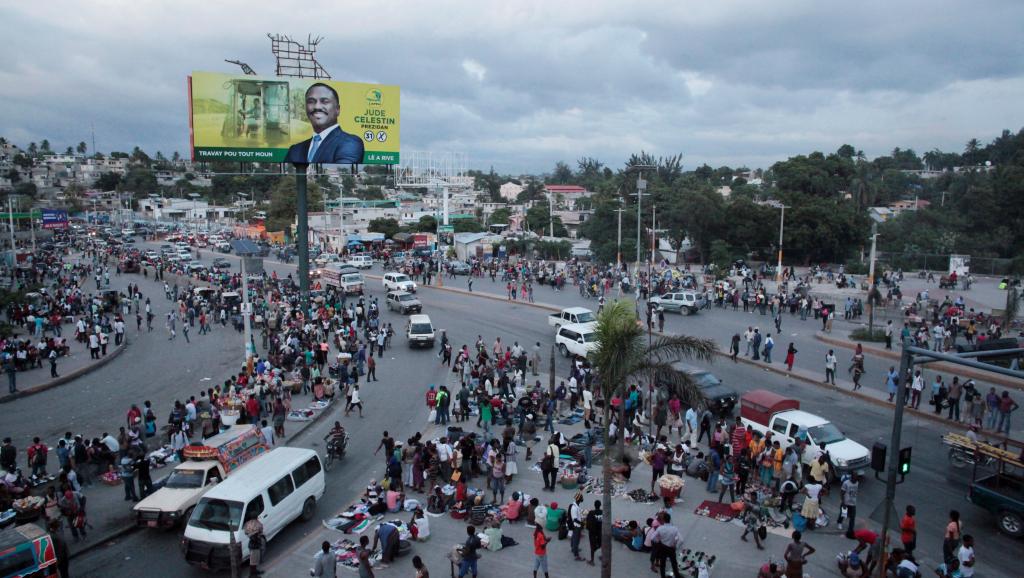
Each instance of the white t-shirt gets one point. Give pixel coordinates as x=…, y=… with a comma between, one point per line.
x=965, y=554
x=588, y=398
x=813, y=491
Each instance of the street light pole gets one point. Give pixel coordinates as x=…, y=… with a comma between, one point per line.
x=551, y=215
x=871, y=280
x=618, y=245
x=782, y=227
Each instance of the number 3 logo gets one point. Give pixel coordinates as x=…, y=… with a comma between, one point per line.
x=368, y=135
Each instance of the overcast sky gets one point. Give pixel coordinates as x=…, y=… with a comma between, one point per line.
x=520, y=85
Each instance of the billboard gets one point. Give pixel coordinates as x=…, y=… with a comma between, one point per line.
x=55, y=219
x=292, y=120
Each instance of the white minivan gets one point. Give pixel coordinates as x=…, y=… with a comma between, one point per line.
x=360, y=261
x=275, y=489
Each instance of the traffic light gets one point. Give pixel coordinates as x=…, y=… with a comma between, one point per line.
x=904, y=463
x=878, y=452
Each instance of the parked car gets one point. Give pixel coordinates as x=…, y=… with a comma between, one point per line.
x=403, y=302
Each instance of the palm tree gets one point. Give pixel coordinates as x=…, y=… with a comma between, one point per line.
x=622, y=357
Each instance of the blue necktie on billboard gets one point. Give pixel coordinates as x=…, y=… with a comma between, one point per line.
x=313, y=146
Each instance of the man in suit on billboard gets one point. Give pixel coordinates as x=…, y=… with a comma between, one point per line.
x=329, y=144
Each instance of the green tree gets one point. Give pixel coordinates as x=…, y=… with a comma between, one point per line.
x=467, y=226
x=23, y=161
x=283, y=203
x=538, y=220
x=82, y=148
x=384, y=225
x=44, y=147
x=140, y=156
x=140, y=181
x=623, y=358
x=26, y=189
x=697, y=213
x=720, y=256
x=426, y=224
x=14, y=176
x=69, y=151
x=500, y=216
x=74, y=197
x=534, y=191
x=32, y=148
x=562, y=174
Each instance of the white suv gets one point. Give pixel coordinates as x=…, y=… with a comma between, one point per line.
x=398, y=282
x=575, y=339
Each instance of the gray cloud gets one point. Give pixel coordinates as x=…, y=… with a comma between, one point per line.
x=523, y=85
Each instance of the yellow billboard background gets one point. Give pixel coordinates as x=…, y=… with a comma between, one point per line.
x=256, y=119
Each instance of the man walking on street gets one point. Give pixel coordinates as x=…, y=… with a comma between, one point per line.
x=665, y=540
x=830, y=367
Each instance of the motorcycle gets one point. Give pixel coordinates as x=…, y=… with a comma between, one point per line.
x=960, y=457
x=335, y=451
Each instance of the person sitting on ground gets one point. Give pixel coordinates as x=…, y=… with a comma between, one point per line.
x=513, y=509
x=419, y=526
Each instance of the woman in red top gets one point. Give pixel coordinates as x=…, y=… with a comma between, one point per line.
x=908, y=530
x=540, y=550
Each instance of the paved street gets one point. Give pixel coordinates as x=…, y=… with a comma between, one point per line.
x=157, y=369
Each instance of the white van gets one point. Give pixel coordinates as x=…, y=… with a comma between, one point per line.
x=277, y=488
x=360, y=261
x=420, y=331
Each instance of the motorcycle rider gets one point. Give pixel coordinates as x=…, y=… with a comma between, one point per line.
x=336, y=439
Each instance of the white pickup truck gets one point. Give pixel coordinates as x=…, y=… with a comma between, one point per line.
x=765, y=411
x=206, y=466
x=572, y=315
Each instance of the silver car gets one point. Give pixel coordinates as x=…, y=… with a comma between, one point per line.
x=682, y=302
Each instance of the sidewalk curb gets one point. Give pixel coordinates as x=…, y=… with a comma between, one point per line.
x=114, y=535
x=67, y=377
x=937, y=366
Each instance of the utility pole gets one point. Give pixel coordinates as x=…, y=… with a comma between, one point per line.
x=551, y=372
x=871, y=280
x=618, y=245
x=10, y=215
x=246, y=312
x=551, y=215
x=906, y=361
x=302, y=234
x=641, y=186
x=782, y=226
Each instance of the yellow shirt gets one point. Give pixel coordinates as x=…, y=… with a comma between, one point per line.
x=818, y=470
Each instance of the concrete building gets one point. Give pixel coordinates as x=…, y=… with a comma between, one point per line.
x=477, y=245
x=510, y=191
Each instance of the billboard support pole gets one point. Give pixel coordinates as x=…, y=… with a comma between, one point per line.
x=302, y=234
